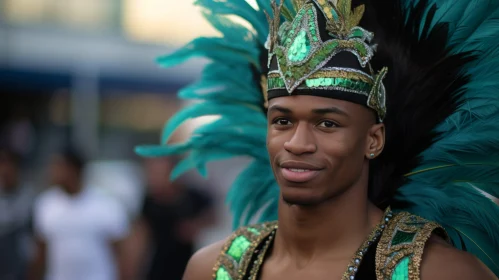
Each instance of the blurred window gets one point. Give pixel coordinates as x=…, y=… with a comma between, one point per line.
x=164, y=21
x=89, y=15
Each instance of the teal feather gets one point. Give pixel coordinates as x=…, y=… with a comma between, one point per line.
x=162, y=151
x=216, y=84
x=243, y=112
x=198, y=159
x=255, y=181
x=449, y=11
x=241, y=9
x=217, y=49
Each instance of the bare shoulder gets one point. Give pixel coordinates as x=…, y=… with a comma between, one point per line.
x=200, y=266
x=442, y=261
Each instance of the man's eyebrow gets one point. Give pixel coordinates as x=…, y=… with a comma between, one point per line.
x=331, y=110
x=279, y=109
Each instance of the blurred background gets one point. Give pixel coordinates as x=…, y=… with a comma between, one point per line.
x=79, y=90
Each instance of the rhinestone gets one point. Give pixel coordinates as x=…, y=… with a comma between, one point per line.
x=355, y=269
x=352, y=277
x=350, y=268
x=383, y=226
x=361, y=253
x=387, y=219
x=357, y=261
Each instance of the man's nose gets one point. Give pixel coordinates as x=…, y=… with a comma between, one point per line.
x=301, y=141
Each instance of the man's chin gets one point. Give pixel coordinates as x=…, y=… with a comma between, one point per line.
x=301, y=201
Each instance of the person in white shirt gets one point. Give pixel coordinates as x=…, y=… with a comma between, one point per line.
x=79, y=229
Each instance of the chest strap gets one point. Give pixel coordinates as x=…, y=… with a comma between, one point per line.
x=237, y=252
x=400, y=249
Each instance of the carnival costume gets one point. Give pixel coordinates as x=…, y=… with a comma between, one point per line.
x=429, y=69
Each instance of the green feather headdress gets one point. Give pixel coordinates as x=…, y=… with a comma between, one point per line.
x=323, y=51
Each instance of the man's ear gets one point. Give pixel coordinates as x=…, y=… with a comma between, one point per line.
x=375, y=140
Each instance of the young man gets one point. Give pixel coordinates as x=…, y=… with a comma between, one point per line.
x=365, y=134
x=79, y=229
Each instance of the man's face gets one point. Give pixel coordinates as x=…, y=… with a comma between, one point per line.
x=61, y=172
x=317, y=146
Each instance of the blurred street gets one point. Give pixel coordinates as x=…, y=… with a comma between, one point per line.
x=80, y=89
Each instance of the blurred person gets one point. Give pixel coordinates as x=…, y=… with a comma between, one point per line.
x=79, y=229
x=173, y=214
x=16, y=200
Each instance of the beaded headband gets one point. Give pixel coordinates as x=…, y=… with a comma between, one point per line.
x=322, y=51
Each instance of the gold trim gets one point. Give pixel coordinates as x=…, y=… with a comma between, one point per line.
x=388, y=255
x=237, y=270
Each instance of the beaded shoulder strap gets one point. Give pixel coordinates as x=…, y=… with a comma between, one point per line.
x=400, y=249
x=237, y=252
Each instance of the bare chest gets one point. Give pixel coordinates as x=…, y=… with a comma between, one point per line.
x=331, y=271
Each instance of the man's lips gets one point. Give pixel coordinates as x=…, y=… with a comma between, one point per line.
x=299, y=172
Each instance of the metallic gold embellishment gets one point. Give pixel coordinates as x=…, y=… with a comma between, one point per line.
x=377, y=96
x=274, y=23
x=405, y=237
x=355, y=262
x=227, y=264
x=261, y=256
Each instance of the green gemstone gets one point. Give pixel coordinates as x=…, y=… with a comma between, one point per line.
x=222, y=274
x=402, y=237
x=300, y=48
x=401, y=271
x=357, y=33
x=238, y=247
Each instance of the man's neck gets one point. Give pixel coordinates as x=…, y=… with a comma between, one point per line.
x=334, y=229
x=73, y=188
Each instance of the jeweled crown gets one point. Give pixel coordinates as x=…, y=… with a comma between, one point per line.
x=321, y=50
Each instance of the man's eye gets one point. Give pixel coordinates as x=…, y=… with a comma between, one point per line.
x=327, y=124
x=282, y=122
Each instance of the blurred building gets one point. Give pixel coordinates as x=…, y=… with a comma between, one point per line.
x=84, y=72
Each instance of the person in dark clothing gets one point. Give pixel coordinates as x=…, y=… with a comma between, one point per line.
x=16, y=199
x=172, y=216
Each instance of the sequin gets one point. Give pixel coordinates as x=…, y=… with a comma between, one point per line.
x=300, y=48
x=401, y=237
x=222, y=274
x=238, y=247
x=401, y=271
